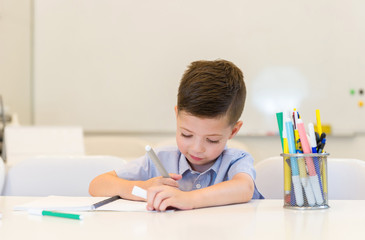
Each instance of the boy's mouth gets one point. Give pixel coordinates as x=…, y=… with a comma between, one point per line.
x=196, y=158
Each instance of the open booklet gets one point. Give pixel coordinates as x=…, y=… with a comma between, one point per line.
x=75, y=204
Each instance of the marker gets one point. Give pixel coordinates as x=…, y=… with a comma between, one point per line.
x=139, y=192
x=106, y=201
x=312, y=138
x=319, y=128
x=40, y=212
x=287, y=173
x=313, y=178
x=157, y=162
x=318, y=139
x=294, y=164
x=313, y=144
x=302, y=169
x=285, y=147
x=294, y=117
x=320, y=148
x=320, y=142
x=313, y=141
x=142, y=193
x=319, y=125
x=279, y=118
x=324, y=170
x=304, y=179
x=323, y=135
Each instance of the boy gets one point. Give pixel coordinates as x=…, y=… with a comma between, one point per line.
x=203, y=172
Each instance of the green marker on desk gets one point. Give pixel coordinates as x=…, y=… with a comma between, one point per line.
x=40, y=212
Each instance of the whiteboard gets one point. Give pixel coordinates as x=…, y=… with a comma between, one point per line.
x=116, y=65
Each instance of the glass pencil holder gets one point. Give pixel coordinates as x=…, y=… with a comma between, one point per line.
x=305, y=180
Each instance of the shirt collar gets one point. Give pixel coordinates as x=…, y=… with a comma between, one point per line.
x=185, y=166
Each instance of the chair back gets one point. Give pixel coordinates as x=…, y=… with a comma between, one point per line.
x=269, y=177
x=2, y=174
x=63, y=176
x=346, y=178
x=126, y=147
x=22, y=142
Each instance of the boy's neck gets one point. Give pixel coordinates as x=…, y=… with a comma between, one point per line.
x=201, y=168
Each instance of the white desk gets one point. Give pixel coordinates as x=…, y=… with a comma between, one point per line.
x=259, y=219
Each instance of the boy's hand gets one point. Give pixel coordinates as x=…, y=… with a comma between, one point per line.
x=159, y=181
x=161, y=197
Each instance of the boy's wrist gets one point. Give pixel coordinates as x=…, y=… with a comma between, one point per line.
x=195, y=198
x=143, y=184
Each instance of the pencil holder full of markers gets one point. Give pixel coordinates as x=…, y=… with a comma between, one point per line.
x=305, y=162
x=305, y=180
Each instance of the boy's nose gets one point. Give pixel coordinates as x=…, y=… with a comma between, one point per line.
x=198, y=146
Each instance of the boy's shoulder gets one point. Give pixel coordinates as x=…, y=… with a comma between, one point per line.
x=167, y=151
x=234, y=154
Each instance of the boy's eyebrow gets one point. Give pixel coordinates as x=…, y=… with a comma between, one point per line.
x=211, y=135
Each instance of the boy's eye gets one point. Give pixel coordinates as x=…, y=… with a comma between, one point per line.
x=186, y=135
x=212, y=141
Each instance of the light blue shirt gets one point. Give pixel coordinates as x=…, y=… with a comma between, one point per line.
x=229, y=163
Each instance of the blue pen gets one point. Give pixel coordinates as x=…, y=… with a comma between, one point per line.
x=321, y=145
x=298, y=191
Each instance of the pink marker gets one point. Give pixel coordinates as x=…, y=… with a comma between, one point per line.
x=306, y=147
x=309, y=161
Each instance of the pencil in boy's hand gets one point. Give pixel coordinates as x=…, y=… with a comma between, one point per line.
x=157, y=162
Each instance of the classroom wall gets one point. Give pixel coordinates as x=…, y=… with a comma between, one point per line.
x=92, y=58
x=16, y=87
x=260, y=147
x=15, y=57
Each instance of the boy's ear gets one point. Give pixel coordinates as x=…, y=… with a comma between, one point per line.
x=175, y=111
x=236, y=129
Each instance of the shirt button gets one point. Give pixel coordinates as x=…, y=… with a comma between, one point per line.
x=198, y=186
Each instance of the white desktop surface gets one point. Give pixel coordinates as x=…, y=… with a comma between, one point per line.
x=258, y=219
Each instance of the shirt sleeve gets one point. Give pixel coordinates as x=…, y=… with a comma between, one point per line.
x=243, y=163
x=142, y=169
x=135, y=170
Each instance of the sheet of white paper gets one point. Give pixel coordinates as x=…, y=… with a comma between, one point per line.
x=62, y=203
x=122, y=205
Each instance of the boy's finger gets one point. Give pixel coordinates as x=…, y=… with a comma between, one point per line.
x=159, y=198
x=175, y=176
x=165, y=204
x=170, y=182
x=151, y=195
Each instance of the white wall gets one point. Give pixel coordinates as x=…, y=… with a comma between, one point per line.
x=15, y=57
x=93, y=58
x=260, y=147
x=16, y=89
x=338, y=147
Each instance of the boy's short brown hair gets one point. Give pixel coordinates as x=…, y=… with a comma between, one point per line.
x=212, y=89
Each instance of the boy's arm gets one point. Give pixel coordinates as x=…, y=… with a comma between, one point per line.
x=109, y=184
x=238, y=190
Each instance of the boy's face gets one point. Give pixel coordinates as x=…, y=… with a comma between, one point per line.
x=202, y=140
